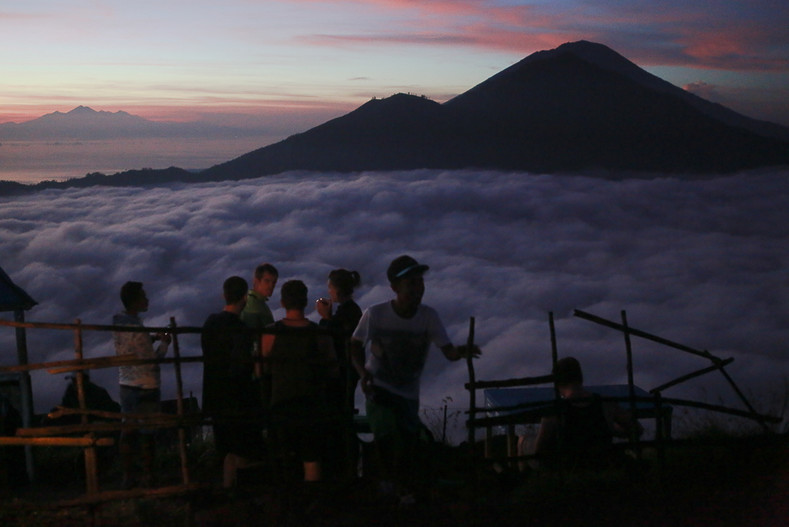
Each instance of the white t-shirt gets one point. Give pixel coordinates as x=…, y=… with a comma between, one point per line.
x=139, y=345
x=397, y=347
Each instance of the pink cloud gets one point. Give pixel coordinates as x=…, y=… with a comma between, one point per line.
x=731, y=37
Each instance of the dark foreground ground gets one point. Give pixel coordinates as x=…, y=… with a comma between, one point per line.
x=741, y=482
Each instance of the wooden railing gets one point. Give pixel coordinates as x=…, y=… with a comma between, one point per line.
x=89, y=438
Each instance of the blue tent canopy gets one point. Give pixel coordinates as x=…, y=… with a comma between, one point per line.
x=13, y=297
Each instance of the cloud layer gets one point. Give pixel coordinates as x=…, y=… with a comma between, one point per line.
x=703, y=263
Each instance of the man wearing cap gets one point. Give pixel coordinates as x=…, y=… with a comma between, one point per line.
x=398, y=334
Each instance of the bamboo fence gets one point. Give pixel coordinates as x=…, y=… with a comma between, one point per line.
x=89, y=433
x=510, y=416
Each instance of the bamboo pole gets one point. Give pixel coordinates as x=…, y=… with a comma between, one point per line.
x=717, y=361
x=554, y=349
x=689, y=376
x=743, y=399
x=99, y=327
x=472, y=393
x=96, y=363
x=631, y=386
x=180, y=405
x=57, y=441
x=91, y=469
x=26, y=389
x=166, y=421
x=645, y=335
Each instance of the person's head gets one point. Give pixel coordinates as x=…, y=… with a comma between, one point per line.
x=342, y=283
x=134, y=298
x=234, y=289
x=567, y=373
x=294, y=295
x=406, y=279
x=265, y=280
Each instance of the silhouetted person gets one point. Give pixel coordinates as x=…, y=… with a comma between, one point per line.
x=340, y=314
x=230, y=395
x=257, y=315
x=398, y=335
x=302, y=363
x=140, y=385
x=582, y=431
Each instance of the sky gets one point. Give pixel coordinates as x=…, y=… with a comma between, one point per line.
x=298, y=63
x=700, y=262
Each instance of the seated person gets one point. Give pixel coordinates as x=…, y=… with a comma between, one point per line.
x=582, y=431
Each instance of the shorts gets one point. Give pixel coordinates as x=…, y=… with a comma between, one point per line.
x=297, y=425
x=390, y=414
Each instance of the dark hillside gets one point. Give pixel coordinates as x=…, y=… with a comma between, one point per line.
x=567, y=114
x=581, y=106
x=396, y=133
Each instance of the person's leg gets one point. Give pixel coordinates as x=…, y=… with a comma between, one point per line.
x=384, y=428
x=312, y=471
x=230, y=471
x=128, y=442
x=149, y=403
x=148, y=457
x=411, y=470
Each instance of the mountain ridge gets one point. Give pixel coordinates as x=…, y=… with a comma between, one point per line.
x=579, y=107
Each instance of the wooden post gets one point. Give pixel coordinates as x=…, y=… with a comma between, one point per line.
x=25, y=388
x=659, y=429
x=554, y=352
x=554, y=347
x=630, y=382
x=180, y=405
x=472, y=392
x=444, y=426
x=91, y=469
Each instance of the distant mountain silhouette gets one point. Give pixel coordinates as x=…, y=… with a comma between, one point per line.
x=580, y=106
x=86, y=123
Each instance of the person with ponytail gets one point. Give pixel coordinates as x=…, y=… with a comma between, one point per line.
x=342, y=321
x=340, y=315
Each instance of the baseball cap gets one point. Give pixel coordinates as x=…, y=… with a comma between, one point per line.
x=403, y=266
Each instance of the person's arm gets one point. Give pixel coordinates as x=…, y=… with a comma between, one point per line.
x=438, y=335
x=267, y=344
x=164, y=341
x=323, y=307
x=453, y=353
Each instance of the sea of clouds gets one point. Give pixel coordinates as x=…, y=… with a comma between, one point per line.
x=702, y=262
